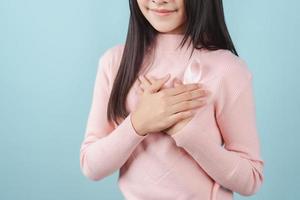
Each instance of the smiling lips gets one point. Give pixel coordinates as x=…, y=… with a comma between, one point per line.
x=162, y=12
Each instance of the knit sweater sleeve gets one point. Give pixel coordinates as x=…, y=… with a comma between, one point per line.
x=238, y=165
x=104, y=148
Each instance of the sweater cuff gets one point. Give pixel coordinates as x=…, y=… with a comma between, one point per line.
x=131, y=132
x=185, y=135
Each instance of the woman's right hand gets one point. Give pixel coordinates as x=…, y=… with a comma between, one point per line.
x=158, y=110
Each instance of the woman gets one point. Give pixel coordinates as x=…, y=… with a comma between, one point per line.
x=174, y=108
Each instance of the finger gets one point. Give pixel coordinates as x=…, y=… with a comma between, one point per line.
x=145, y=81
x=177, y=82
x=139, y=81
x=152, y=79
x=187, y=105
x=181, y=116
x=159, y=83
x=190, y=95
x=143, y=86
x=182, y=88
x=140, y=91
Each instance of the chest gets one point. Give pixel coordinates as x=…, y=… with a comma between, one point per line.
x=188, y=71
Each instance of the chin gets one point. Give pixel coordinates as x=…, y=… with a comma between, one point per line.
x=164, y=29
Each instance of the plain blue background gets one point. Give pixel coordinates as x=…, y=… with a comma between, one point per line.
x=48, y=59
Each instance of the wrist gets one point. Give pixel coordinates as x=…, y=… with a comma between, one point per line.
x=139, y=129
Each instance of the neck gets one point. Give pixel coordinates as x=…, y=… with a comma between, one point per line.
x=170, y=42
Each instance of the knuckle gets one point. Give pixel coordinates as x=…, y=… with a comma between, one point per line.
x=180, y=115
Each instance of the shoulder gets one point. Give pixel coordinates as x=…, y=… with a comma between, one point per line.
x=232, y=66
x=110, y=60
x=234, y=76
x=112, y=54
x=227, y=65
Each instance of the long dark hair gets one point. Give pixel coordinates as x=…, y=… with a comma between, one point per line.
x=205, y=25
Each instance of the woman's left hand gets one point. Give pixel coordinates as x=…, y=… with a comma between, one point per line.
x=146, y=82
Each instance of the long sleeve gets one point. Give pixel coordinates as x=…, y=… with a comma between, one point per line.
x=104, y=148
x=238, y=165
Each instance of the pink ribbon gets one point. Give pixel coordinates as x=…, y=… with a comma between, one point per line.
x=194, y=72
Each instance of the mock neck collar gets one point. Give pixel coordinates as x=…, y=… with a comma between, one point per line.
x=169, y=42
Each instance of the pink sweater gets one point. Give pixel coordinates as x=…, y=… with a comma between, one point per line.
x=192, y=164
